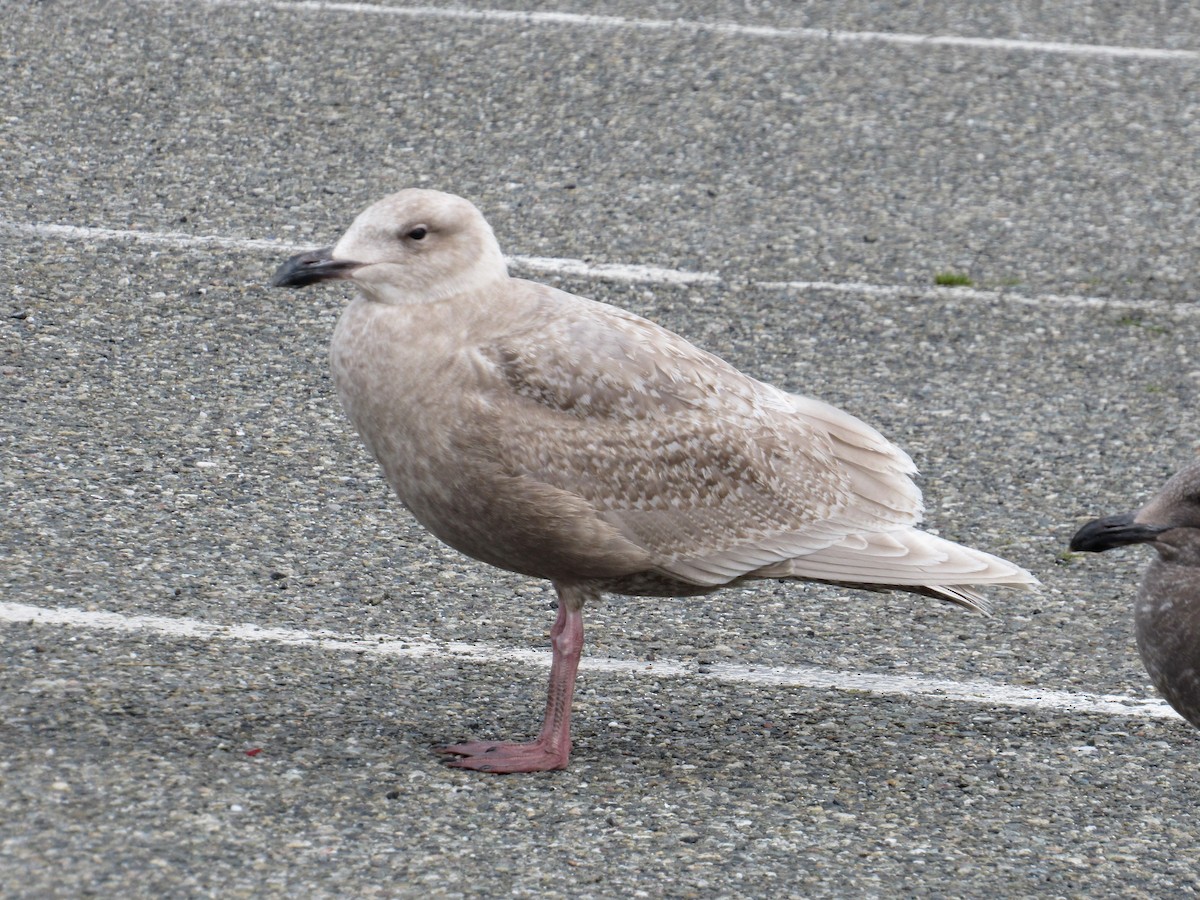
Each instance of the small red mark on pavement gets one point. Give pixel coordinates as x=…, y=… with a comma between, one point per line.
x=253, y=751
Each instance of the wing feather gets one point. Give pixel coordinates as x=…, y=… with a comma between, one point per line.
x=712, y=472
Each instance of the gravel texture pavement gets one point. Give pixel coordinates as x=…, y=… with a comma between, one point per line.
x=171, y=446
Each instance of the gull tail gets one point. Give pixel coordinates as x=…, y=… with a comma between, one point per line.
x=907, y=560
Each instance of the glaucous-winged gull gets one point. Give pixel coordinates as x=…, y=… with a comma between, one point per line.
x=566, y=439
x=1166, y=613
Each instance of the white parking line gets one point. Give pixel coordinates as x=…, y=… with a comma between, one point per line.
x=627, y=272
x=576, y=267
x=768, y=32
x=164, y=238
x=974, y=692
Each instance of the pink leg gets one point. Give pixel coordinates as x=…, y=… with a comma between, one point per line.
x=553, y=744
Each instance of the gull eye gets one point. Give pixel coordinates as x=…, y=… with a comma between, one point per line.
x=417, y=233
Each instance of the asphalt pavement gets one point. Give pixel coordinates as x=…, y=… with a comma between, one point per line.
x=172, y=447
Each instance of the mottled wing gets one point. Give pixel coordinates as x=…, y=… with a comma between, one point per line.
x=713, y=473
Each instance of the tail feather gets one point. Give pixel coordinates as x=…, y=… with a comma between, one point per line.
x=909, y=560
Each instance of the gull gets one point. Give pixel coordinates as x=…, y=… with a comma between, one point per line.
x=570, y=440
x=1166, y=613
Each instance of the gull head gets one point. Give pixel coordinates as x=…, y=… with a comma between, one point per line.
x=1170, y=523
x=415, y=246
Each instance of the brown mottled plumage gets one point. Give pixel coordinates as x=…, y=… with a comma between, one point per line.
x=1166, y=614
x=566, y=439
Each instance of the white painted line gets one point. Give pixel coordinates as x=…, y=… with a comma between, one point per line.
x=975, y=692
x=628, y=272
x=578, y=20
x=981, y=296
x=164, y=238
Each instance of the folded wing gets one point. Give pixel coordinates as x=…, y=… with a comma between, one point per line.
x=714, y=474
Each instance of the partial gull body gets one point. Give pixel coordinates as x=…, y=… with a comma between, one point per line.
x=566, y=439
x=1166, y=613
